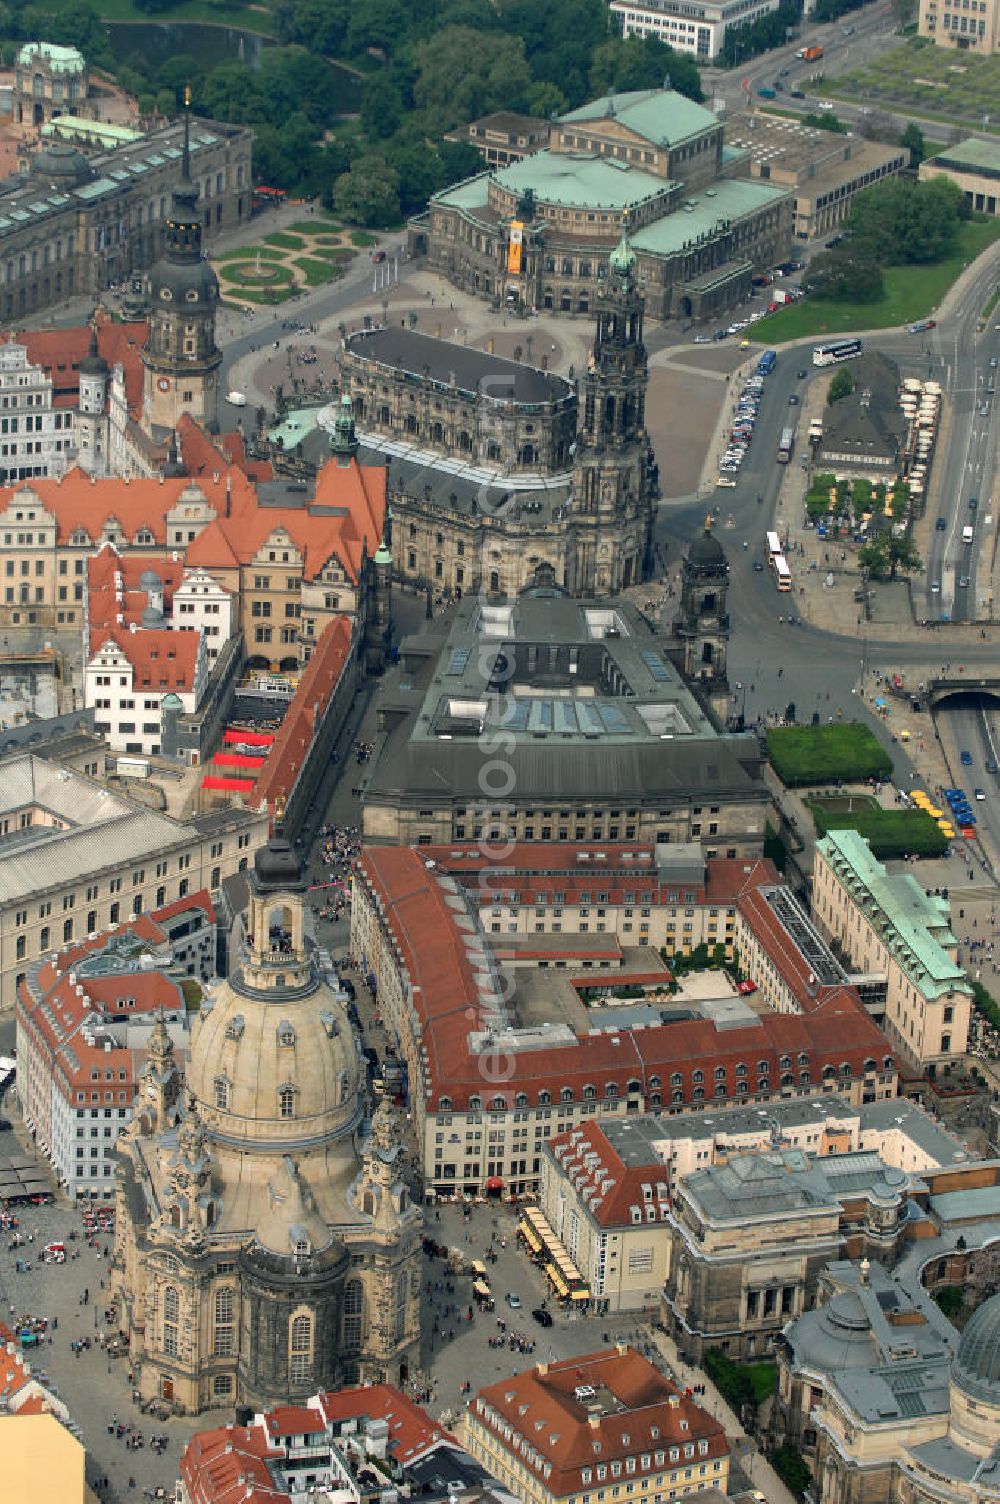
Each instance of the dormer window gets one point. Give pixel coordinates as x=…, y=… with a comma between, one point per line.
x=286, y=1034
x=221, y=1086
x=302, y=1248
x=235, y=1027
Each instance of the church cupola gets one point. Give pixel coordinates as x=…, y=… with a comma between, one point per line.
x=276, y=955
x=344, y=440
x=180, y=356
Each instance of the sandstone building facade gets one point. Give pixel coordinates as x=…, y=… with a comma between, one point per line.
x=257, y=1255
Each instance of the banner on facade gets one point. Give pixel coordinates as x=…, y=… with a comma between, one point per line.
x=515, y=248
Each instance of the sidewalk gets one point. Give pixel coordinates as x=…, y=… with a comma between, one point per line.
x=745, y=1449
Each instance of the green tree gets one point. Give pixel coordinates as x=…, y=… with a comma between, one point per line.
x=381, y=106
x=886, y=556
x=381, y=24
x=420, y=172
x=546, y=99
x=847, y=274
x=459, y=159
x=625, y=63
x=458, y=78
x=841, y=386
x=912, y=140
x=369, y=193
x=901, y=221
x=792, y=1468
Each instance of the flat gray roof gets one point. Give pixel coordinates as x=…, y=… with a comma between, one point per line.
x=472, y=371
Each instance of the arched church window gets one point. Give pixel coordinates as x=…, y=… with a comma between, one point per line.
x=223, y=1344
x=300, y=1349
x=171, y=1318
x=286, y=1034
x=302, y=1248
x=221, y=1092
x=354, y=1310
x=286, y=1102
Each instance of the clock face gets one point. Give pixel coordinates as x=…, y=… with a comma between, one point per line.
x=163, y=384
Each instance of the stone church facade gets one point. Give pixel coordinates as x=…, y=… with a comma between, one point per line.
x=265, y=1247
x=589, y=531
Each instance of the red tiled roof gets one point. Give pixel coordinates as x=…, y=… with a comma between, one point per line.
x=113, y=587
x=344, y=521
x=291, y=745
x=161, y=658
x=79, y=502
x=294, y=1420
x=60, y=351
x=658, y=1061
x=55, y=1018
x=611, y=1188
x=640, y=1413
x=229, y=1466
x=411, y=1430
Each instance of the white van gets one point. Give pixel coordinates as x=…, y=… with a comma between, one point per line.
x=967, y=534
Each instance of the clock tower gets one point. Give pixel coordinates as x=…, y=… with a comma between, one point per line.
x=614, y=488
x=180, y=356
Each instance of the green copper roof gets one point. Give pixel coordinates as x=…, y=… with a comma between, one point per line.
x=971, y=153
x=919, y=923
x=662, y=116
x=726, y=199
x=622, y=258
x=586, y=181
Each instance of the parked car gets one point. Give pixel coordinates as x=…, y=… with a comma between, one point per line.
x=513, y=1300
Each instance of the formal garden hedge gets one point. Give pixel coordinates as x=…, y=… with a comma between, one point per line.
x=892, y=833
x=842, y=750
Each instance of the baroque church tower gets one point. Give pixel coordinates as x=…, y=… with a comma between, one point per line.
x=180, y=356
x=614, y=501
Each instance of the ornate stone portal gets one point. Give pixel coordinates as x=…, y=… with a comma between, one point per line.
x=262, y=1251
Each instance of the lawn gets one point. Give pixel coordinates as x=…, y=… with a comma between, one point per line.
x=822, y=754
x=317, y=272
x=892, y=833
x=285, y=241
x=315, y=226
x=361, y=239
x=248, y=253
x=911, y=292
x=764, y=1378
x=920, y=79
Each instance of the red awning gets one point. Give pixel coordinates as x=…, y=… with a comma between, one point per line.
x=494, y=1183
x=238, y=760
x=235, y=734
x=230, y=785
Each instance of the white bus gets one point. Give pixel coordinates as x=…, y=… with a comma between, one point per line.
x=773, y=545
x=782, y=573
x=841, y=349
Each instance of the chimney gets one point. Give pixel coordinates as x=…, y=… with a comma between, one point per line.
x=594, y=1419
x=541, y=1369
x=229, y=494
